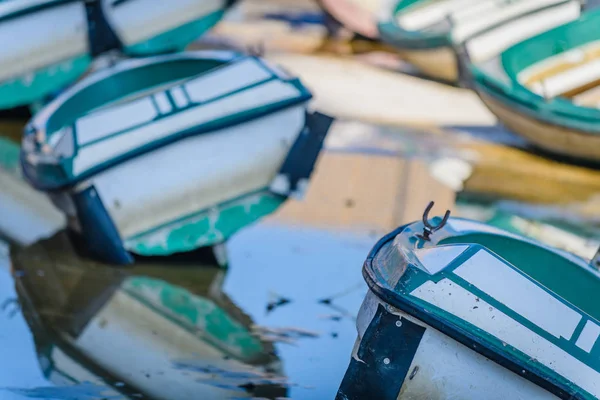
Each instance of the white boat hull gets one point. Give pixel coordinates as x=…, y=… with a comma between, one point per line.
x=441, y=368
x=197, y=173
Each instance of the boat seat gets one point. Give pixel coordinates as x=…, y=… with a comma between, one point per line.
x=499, y=12
x=570, y=82
x=421, y=16
x=543, y=266
x=468, y=17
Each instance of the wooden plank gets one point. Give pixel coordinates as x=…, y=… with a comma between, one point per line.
x=368, y=192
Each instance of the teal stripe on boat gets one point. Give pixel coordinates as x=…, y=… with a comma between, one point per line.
x=176, y=39
x=205, y=228
x=37, y=85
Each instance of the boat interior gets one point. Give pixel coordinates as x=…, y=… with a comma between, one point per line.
x=574, y=74
x=543, y=266
x=465, y=17
x=126, y=86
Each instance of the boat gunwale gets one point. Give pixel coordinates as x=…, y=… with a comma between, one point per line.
x=392, y=32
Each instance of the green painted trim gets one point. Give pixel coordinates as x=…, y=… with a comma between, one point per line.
x=205, y=228
x=556, y=111
x=34, y=86
x=198, y=315
x=159, y=115
x=176, y=39
x=9, y=155
x=101, y=89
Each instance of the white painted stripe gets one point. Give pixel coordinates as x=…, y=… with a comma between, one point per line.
x=566, y=57
x=226, y=80
x=497, y=279
x=164, y=106
x=570, y=79
x=485, y=46
x=588, y=336
x=502, y=11
x=106, y=150
x=482, y=315
x=179, y=97
x=114, y=119
x=437, y=258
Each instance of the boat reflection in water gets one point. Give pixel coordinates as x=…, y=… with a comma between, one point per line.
x=162, y=329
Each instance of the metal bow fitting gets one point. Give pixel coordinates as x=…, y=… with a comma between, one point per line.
x=428, y=229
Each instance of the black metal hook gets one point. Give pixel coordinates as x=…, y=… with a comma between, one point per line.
x=428, y=229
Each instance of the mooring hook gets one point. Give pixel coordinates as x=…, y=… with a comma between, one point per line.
x=428, y=228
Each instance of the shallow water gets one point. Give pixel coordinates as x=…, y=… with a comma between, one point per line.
x=296, y=288
x=277, y=323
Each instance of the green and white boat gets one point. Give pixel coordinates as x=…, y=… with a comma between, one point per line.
x=147, y=27
x=460, y=309
x=547, y=88
x=49, y=44
x=431, y=34
x=168, y=154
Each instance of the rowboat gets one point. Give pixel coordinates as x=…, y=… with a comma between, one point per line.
x=433, y=34
x=147, y=27
x=38, y=55
x=457, y=308
x=227, y=138
x=546, y=88
x=142, y=331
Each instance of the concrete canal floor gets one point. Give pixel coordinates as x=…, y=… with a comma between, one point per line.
x=279, y=321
